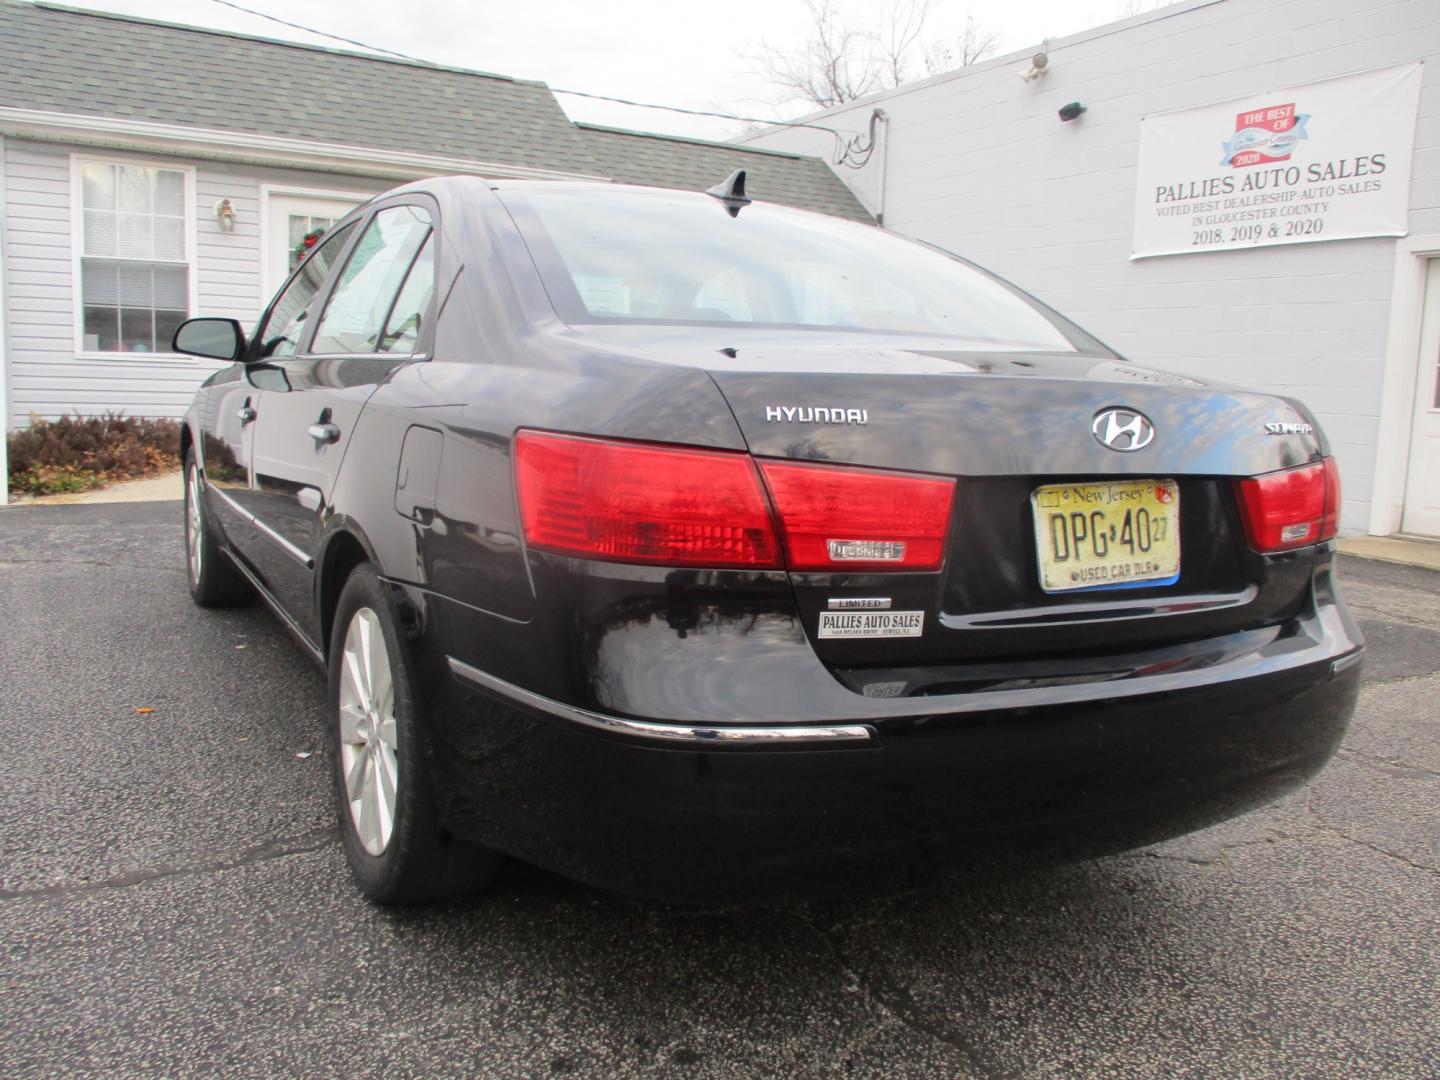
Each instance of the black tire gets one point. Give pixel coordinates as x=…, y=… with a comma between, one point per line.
x=213, y=579
x=419, y=862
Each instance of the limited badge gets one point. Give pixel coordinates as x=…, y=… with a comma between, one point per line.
x=871, y=624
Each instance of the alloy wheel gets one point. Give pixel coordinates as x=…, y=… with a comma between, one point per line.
x=368, y=750
x=194, y=527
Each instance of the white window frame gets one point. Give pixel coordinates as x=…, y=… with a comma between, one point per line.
x=77, y=227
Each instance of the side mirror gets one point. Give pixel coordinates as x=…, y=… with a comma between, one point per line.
x=214, y=339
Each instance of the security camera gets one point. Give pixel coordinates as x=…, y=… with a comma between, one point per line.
x=1071, y=111
x=1038, y=63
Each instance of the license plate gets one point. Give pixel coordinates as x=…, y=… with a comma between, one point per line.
x=1117, y=535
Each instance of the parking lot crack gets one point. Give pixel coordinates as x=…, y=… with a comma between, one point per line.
x=1389, y=765
x=1216, y=855
x=301, y=844
x=1189, y=860
x=1340, y=834
x=1324, y=827
x=896, y=1001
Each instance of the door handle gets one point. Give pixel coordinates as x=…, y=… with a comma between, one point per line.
x=246, y=414
x=324, y=433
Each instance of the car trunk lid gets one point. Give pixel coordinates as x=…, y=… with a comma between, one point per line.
x=1004, y=425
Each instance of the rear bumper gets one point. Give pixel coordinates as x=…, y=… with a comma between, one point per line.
x=709, y=812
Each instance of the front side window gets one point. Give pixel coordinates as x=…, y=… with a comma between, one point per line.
x=354, y=319
x=281, y=335
x=134, y=265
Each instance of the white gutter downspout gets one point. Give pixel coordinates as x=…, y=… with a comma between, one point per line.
x=884, y=118
x=4, y=335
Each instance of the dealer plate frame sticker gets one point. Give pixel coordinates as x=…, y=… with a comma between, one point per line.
x=872, y=624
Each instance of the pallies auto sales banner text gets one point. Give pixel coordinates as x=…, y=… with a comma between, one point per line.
x=1319, y=162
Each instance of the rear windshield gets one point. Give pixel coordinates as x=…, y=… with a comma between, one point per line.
x=672, y=257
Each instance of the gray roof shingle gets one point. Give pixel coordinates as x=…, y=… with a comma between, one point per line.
x=634, y=157
x=72, y=61
x=68, y=60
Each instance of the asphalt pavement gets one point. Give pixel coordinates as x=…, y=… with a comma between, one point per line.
x=173, y=899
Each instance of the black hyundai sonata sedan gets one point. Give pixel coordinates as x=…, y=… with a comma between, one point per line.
x=699, y=548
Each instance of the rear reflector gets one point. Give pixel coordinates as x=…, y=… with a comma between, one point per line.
x=845, y=519
x=1291, y=508
x=626, y=502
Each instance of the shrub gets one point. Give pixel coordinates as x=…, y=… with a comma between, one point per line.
x=76, y=453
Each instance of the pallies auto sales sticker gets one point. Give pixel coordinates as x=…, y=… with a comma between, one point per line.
x=1326, y=161
x=871, y=624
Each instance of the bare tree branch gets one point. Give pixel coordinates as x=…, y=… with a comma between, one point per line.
x=897, y=35
x=831, y=66
x=976, y=42
x=841, y=60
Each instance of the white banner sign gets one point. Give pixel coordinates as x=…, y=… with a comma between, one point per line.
x=1321, y=162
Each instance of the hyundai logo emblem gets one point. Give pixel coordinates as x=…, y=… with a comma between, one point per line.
x=1122, y=429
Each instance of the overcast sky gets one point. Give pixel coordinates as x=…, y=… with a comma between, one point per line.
x=679, y=52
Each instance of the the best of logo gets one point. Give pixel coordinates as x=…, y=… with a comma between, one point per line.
x=1263, y=136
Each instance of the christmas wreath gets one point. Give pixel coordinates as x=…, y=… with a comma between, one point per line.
x=308, y=241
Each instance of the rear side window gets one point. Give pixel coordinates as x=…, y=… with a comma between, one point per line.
x=356, y=315
x=407, y=317
x=282, y=330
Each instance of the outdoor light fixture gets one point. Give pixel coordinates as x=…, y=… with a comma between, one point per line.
x=225, y=215
x=1071, y=111
x=1038, y=64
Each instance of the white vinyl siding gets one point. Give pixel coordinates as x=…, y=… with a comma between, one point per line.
x=229, y=262
x=49, y=375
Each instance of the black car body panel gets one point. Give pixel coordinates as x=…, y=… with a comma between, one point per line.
x=685, y=731
x=1064, y=779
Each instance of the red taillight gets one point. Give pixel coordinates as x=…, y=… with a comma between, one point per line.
x=1291, y=508
x=1330, y=524
x=625, y=502
x=838, y=518
x=678, y=506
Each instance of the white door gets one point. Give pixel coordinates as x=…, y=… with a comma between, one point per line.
x=1422, y=485
x=289, y=218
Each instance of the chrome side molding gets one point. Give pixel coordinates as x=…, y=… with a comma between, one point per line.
x=693, y=736
x=285, y=545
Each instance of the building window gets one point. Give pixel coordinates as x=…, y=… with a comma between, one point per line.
x=134, y=256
